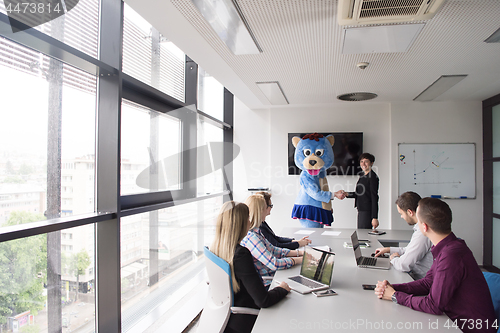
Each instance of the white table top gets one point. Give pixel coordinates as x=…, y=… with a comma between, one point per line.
x=353, y=309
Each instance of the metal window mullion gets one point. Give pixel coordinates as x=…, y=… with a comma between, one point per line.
x=54, y=157
x=169, y=203
x=228, y=140
x=189, y=133
x=488, y=213
x=108, y=286
x=154, y=137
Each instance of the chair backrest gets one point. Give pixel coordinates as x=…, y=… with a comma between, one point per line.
x=493, y=281
x=217, y=309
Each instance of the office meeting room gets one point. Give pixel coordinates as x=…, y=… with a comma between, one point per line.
x=192, y=166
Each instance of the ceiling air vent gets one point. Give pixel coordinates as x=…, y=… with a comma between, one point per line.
x=357, y=96
x=362, y=12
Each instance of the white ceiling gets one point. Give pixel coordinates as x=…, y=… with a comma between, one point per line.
x=302, y=41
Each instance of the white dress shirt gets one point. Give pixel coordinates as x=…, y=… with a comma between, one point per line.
x=415, y=257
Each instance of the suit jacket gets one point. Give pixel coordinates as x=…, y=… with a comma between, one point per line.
x=366, y=195
x=252, y=292
x=276, y=240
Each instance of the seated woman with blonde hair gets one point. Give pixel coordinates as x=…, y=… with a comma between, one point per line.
x=274, y=239
x=266, y=257
x=249, y=291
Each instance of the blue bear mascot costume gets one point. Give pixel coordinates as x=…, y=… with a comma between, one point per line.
x=313, y=155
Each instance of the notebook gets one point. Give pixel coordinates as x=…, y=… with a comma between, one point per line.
x=315, y=273
x=367, y=262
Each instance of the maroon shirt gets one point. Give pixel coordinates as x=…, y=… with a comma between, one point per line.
x=454, y=285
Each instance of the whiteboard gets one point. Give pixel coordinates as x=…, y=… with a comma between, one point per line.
x=444, y=170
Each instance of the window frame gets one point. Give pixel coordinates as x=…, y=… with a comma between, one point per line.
x=488, y=160
x=113, y=85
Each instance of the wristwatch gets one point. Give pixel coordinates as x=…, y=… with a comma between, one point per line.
x=394, y=299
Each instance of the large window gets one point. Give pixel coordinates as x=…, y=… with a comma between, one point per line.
x=211, y=169
x=79, y=28
x=150, y=57
x=151, y=150
x=161, y=257
x=48, y=121
x=109, y=182
x=26, y=289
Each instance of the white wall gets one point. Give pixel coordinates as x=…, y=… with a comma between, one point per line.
x=443, y=122
x=262, y=136
x=251, y=133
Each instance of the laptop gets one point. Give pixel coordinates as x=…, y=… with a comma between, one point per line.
x=367, y=262
x=315, y=273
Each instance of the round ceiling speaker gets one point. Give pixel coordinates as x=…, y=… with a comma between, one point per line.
x=357, y=96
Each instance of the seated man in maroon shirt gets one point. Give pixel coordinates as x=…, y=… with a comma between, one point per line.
x=454, y=285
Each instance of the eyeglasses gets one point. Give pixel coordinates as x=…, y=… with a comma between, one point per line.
x=270, y=206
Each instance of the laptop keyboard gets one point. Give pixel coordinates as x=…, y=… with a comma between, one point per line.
x=368, y=261
x=306, y=282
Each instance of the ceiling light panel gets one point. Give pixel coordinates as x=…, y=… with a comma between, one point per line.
x=380, y=39
x=224, y=17
x=273, y=92
x=440, y=86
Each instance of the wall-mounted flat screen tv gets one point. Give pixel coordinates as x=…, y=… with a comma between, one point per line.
x=346, y=149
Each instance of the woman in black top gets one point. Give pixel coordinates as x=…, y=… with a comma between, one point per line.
x=274, y=239
x=366, y=194
x=249, y=291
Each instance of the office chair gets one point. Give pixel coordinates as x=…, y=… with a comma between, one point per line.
x=493, y=281
x=219, y=304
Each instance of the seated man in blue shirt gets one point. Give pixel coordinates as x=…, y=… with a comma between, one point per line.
x=454, y=285
x=415, y=258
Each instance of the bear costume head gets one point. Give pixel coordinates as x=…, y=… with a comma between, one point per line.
x=313, y=153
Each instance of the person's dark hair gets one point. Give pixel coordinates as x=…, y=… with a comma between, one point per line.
x=368, y=156
x=408, y=200
x=436, y=214
x=267, y=197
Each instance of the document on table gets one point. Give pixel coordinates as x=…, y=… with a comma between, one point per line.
x=304, y=232
x=331, y=233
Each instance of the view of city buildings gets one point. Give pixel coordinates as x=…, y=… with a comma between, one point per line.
x=161, y=248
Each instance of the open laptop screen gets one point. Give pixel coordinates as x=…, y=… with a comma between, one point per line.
x=355, y=245
x=317, y=265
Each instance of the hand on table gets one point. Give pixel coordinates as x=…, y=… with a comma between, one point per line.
x=303, y=241
x=375, y=223
x=381, y=251
x=285, y=286
x=384, y=290
x=297, y=260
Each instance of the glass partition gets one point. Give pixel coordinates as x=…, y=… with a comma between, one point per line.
x=496, y=132
x=496, y=242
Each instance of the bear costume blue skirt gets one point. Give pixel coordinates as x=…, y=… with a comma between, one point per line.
x=311, y=213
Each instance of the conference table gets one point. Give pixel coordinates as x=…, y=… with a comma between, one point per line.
x=353, y=309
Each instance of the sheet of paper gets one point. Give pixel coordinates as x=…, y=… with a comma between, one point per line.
x=331, y=233
x=304, y=232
